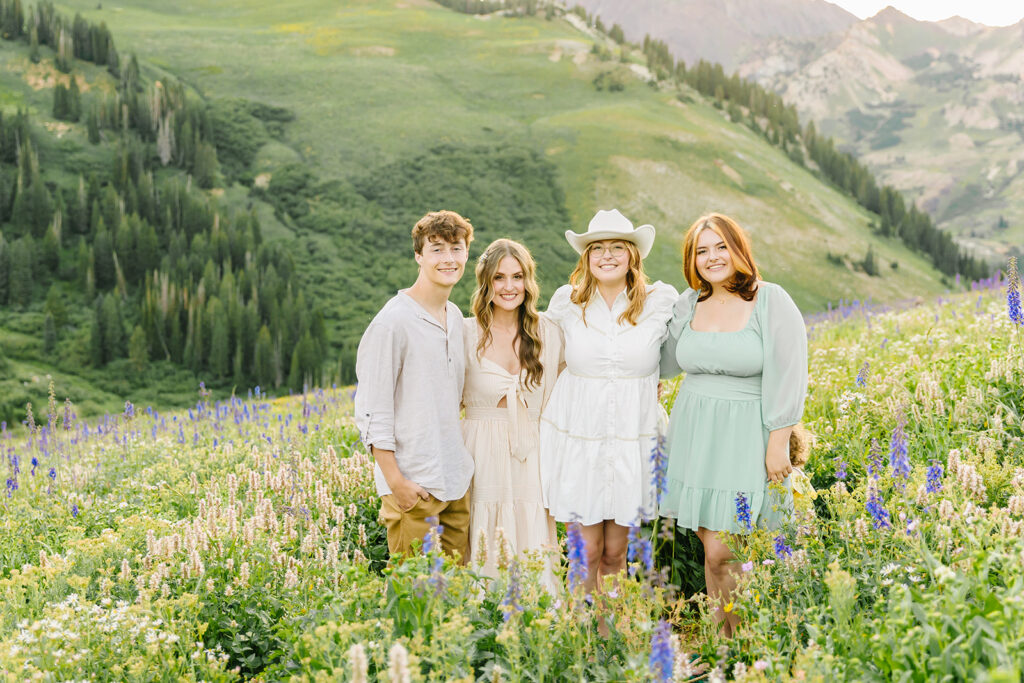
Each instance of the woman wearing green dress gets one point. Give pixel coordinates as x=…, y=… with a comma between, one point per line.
x=743, y=346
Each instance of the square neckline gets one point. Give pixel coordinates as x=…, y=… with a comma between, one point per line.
x=746, y=325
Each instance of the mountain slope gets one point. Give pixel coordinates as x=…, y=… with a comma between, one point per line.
x=723, y=31
x=404, y=107
x=933, y=108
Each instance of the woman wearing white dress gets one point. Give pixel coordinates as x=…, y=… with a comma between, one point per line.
x=601, y=424
x=512, y=359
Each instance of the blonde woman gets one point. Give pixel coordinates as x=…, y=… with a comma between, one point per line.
x=743, y=346
x=601, y=424
x=512, y=360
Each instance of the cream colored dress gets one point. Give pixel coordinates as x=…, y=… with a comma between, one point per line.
x=506, y=490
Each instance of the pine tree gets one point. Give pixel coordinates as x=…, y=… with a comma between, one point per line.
x=49, y=335
x=205, y=168
x=74, y=101
x=60, y=102
x=219, y=343
x=5, y=271
x=264, y=358
x=92, y=124
x=138, y=349
x=96, y=337
x=112, y=328
x=23, y=256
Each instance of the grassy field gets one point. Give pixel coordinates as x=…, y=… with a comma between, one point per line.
x=374, y=82
x=238, y=540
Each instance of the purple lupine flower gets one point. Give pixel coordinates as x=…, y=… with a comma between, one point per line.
x=1013, y=293
x=662, y=657
x=35, y=464
x=862, y=375
x=841, y=472
x=639, y=549
x=875, y=459
x=74, y=510
x=743, y=511
x=129, y=410
x=12, y=486
x=782, y=549
x=879, y=515
x=577, y=554
x=659, y=468
x=898, y=459
x=510, y=603
x=431, y=537
x=933, y=477
x=52, y=474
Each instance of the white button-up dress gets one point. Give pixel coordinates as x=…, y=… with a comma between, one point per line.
x=601, y=423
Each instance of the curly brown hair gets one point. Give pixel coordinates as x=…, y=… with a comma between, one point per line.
x=447, y=226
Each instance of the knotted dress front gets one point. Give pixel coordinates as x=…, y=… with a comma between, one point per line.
x=506, y=489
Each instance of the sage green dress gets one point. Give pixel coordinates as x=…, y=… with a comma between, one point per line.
x=739, y=386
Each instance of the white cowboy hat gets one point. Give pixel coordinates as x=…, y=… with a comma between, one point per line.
x=612, y=225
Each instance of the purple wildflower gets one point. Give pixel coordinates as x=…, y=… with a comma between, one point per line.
x=743, y=511
x=862, y=375
x=841, y=472
x=577, y=554
x=875, y=507
x=782, y=549
x=1013, y=293
x=639, y=549
x=898, y=459
x=129, y=410
x=12, y=486
x=510, y=603
x=875, y=459
x=933, y=477
x=659, y=468
x=35, y=464
x=52, y=474
x=74, y=510
x=431, y=537
x=662, y=657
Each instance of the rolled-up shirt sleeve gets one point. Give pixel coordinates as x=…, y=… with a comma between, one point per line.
x=378, y=364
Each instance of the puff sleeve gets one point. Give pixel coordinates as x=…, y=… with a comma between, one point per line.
x=682, y=311
x=559, y=306
x=784, y=377
x=661, y=299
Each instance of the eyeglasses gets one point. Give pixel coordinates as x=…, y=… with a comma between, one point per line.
x=614, y=250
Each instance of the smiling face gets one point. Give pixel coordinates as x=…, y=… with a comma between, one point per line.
x=609, y=262
x=714, y=261
x=443, y=263
x=509, y=284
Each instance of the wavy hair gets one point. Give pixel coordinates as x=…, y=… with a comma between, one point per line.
x=744, y=282
x=482, y=304
x=584, y=284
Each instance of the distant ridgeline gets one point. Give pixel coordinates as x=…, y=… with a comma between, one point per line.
x=163, y=274
x=765, y=113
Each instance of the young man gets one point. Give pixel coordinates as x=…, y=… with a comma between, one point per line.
x=410, y=367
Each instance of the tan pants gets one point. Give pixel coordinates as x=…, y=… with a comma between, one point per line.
x=405, y=526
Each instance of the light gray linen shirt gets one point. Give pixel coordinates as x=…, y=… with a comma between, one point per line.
x=410, y=374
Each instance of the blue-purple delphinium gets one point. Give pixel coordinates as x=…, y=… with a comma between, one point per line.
x=577, y=555
x=659, y=468
x=841, y=472
x=933, y=477
x=1013, y=293
x=639, y=549
x=862, y=375
x=875, y=459
x=510, y=603
x=662, y=658
x=879, y=515
x=898, y=459
x=743, y=511
x=782, y=549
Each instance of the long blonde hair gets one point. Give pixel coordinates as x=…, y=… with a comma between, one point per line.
x=584, y=284
x=482, y=305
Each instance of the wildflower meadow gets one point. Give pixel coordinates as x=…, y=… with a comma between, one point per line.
x=239, y=540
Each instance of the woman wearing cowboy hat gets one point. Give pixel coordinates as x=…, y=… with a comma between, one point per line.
x=601, y=423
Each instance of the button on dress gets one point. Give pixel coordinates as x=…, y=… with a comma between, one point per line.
x=601, y=424
x=506, y=489
x=739, y=386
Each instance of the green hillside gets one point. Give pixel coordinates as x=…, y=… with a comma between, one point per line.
x=337, y=125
